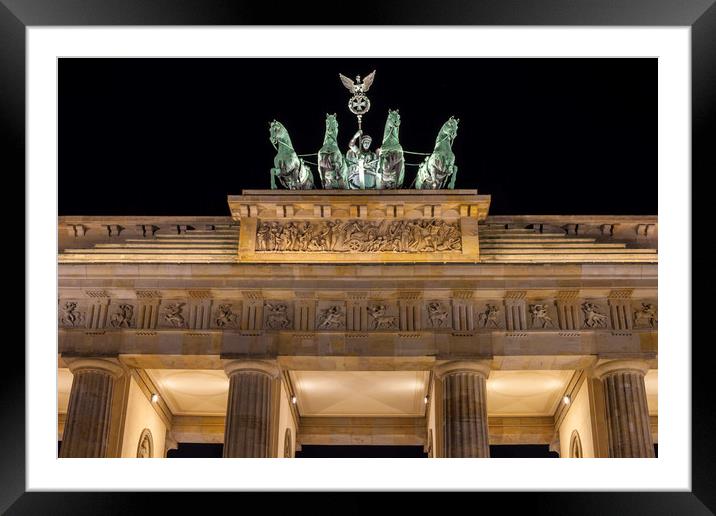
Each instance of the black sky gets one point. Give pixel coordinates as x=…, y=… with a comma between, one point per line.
x=176, y=136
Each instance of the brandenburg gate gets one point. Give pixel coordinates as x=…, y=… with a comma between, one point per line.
x=358, y=311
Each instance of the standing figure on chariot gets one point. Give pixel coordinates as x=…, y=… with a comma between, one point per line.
x=362, y=163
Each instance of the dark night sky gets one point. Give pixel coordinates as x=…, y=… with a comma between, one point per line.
x=176, y=136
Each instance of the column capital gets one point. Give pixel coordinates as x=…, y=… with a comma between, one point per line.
x=110, y=366
x=620, y=365
x=481, y=367
x=269, y=367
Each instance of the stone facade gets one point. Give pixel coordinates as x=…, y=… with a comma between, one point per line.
x=387, y=280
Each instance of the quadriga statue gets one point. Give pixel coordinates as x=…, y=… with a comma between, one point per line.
x=331, y=165
x=290, y=170
x=439, y=170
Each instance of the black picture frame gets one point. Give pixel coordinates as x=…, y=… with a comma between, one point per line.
x=17, y=15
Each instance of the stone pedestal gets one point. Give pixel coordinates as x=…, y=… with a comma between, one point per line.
x=464, y=409
x=249, y=409
x=627, y=412
x=88, y=415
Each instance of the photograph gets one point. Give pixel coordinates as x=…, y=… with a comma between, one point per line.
x=357, y=257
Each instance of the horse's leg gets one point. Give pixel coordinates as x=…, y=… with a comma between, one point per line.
x=273, y=178
x=451, y=186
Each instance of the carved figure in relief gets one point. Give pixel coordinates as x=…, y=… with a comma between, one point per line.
x=71, y=316
x=173, y=314
x=489, y=317
x=277, y=315
x=381, y=321
x=645, y=316
x=365, y=236
x=437, y=314
x=123, y=318
x=226, y=317
x=593, y=317
x=331, y=318
x=144, y=450
x=540, y=316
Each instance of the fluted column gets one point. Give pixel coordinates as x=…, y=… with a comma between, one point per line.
x=627, y=411
x=248, y=413
x=464, y=408
x=88, y=415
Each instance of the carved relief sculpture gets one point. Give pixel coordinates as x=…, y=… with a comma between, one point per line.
x=173, y=314
x=226, y=317
x=593, y=318
x=277, y=316
x=489, y=318
x=645, y=316
x=540, y=317
x=381, y=321
x=359, y=236
x=123, y=318
x=437, y=314
x=145, y=449
x=332, y=318
x=71, y=316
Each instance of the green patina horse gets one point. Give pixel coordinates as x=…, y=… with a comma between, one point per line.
x=439, y=167
x=290, y=170
x=332, y=167
x=391, y=164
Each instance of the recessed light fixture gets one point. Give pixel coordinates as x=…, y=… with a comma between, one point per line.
x=155, y=397
x=293, y=399
x=567, y=399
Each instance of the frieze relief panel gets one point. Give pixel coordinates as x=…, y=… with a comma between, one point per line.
x=358, y=236
x=173, y=313
x=331, y=316
x=437, y=315
x=594, y=314
x=226, y=315
x=122, y=315
x=541, y=315
x=490, y=315
x=278, y=315
x=72, y=314
x=645, y=314
x=382, y=316
x=359, y=312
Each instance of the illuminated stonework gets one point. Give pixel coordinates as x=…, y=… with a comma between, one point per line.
x=339, y=315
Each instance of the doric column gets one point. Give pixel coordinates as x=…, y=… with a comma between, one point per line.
x=248, y=413
x=627, y=412
x=88, y=415
x=464, y=408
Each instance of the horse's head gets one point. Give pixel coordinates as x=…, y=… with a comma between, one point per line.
x=450, y=127
x=277, y=130
x=394, y=118
x=331, y=123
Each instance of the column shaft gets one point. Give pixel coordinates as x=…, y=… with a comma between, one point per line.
x=248, y=414
x=465, y=430
x=627, y=415
x=87, y=426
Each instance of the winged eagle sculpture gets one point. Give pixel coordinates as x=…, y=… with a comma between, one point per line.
x=358, y=86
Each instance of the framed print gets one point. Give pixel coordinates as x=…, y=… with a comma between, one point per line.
x=305, y=257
